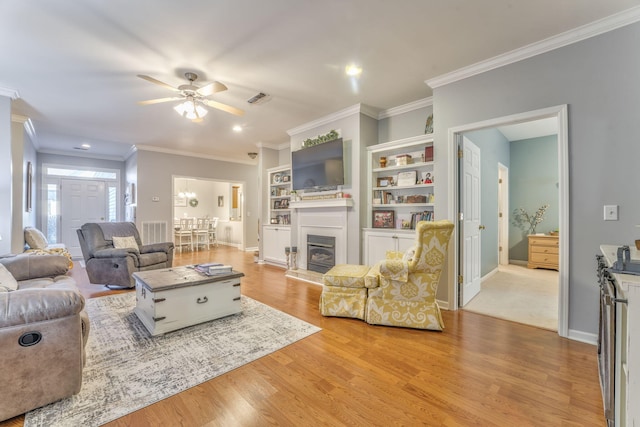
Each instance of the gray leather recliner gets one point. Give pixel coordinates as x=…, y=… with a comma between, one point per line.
x=112, y=266
x=43, y=332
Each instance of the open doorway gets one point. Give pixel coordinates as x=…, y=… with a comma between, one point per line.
x=212, y=199
x=558, y=115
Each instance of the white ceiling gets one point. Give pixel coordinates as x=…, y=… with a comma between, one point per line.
x=74, y=64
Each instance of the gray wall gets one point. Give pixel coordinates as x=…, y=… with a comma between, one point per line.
x=494, y=148
x=6, y=181
x=598, y=79
x=533, y=182
x=405, y=125
x=154, y=178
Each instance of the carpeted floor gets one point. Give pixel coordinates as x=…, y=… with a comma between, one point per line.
x=127, y=369
x=520, y=294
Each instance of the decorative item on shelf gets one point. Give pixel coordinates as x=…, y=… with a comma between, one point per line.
x=320, y=139
x=407, y=178
x=428, y=153
x=277, y=178
x=384, y=181
x=527, y=222
x=403, y=159
x=432, y=198
x=427, y=178
x=428, y=127
x=285, y=178
x=383, y=162
x=383, y=219
x=416, y=198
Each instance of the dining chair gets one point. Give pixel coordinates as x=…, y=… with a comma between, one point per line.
x=213, y=228
x=183, y=234
x=201, y=233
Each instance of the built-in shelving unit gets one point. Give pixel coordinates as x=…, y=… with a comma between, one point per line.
x=276, y=233
x=400, y=187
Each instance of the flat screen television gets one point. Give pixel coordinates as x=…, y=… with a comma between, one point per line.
x=319, y=167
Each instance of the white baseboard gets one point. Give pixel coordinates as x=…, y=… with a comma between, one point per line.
x=585, y=337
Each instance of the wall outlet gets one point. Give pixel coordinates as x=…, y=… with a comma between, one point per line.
x=610, y=212
x=155, y=199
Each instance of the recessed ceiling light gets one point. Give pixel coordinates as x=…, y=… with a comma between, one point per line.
x=85, y=145
x=353, y=70
x=237, y=128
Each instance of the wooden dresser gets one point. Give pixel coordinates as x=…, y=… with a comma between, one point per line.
x=543, y=251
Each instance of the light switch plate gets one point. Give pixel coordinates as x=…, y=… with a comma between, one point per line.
x=610, y=212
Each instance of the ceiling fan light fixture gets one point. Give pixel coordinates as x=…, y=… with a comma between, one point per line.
x=191, y=109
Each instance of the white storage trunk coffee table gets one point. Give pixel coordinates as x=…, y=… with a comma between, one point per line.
x=177, y=297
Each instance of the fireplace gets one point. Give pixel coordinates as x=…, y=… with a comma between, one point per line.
x=321, y=253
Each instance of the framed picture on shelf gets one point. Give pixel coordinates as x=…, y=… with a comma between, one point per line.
x=384, y=181
x=285, y=178
x=383, y=219
x=407, y=178
x=276, y=204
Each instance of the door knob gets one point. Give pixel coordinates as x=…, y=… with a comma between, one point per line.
x=481, y=227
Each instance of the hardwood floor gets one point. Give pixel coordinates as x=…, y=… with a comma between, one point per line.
x=480, y=371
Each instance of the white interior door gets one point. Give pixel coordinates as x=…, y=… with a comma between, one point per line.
x=471, y=226
x=503, y=214
x=82, y=201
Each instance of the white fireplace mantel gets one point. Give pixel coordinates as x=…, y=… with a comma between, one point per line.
x=322, y=203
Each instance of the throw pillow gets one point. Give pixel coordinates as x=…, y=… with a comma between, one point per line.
x=128, y=242
x=35, y=239
x=7, y=280
x=408, y=255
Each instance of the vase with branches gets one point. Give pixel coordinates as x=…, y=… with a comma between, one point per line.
x=522, y=219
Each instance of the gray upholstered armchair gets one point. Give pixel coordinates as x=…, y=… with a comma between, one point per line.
x=113, y=251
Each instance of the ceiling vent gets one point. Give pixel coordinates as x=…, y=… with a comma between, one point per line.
x=258, y=99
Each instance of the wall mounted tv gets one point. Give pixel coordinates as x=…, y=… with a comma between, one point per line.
x=319, y=167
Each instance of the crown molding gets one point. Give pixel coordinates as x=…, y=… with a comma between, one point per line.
x=273, y=146
x=405, y=108
x=192, y=154
x=575, y=35
x=81, y=153
x=346, y=112
x=28, y=127
x=9, y=93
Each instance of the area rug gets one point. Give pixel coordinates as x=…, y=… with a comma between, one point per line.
x=128, y=369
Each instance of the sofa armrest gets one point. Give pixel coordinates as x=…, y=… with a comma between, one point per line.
x=25, y=267
x=36, y=305
x=156, y=247
x=115, y=253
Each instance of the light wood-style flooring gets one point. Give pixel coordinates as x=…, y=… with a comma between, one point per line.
x=481, y=371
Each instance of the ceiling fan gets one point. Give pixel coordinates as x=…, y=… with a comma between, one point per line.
x=193, y=96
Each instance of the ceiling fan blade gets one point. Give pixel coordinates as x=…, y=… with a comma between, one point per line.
x=158, y=82
x=211, y=88
x=223, y=107
x=159, y=100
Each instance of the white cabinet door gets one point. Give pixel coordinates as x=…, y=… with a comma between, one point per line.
x=377, y=243
x=275, y=240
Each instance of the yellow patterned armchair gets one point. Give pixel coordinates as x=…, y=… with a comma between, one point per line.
x=402, y=288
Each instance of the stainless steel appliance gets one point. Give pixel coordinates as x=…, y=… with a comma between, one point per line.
x=607, y=338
